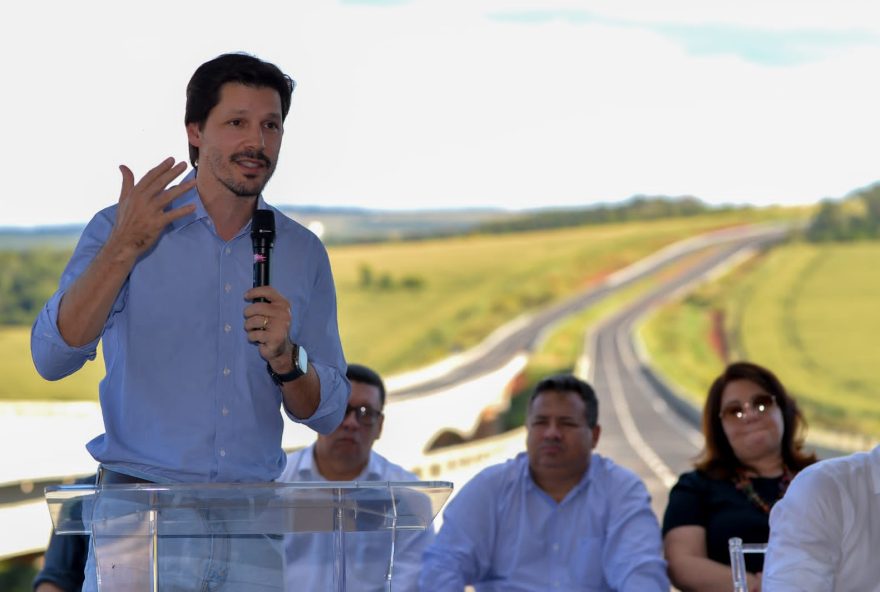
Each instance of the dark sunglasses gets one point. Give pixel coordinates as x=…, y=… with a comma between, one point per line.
x=760, y=404
x=366, y=416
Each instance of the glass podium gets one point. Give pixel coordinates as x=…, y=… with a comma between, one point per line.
x=230, y=537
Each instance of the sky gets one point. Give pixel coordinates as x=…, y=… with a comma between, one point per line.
x=428, y=104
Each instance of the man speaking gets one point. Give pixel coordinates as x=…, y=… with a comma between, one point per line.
x=198, y=361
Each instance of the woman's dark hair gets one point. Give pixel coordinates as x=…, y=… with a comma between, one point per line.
x=717, y=458
x=203, y=90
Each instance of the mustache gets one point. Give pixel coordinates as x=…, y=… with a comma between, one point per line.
x=252, y=155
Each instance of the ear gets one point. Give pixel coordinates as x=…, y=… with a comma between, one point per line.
x=194, y=134
x=381, y=423
x=597, y=431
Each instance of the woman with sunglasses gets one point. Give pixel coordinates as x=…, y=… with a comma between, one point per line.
x=753, y=434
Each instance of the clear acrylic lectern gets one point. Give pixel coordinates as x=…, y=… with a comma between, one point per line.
x=166, y=537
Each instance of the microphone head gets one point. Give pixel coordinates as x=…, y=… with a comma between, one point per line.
x=263, y=226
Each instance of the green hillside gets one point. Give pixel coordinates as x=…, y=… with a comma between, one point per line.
x=405, y=304
x=807, y=311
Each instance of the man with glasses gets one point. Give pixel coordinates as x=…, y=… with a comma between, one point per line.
x=346, y=454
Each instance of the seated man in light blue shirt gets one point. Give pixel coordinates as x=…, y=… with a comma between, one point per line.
x=347, y=455
x=554, y=518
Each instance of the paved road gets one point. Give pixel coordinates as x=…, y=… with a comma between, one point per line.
x=523, y=334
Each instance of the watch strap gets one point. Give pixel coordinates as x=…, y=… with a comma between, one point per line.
x=297, y=371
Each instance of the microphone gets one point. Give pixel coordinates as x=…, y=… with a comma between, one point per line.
x=263, y=238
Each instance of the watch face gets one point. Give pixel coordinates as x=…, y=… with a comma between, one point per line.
x=302, y=360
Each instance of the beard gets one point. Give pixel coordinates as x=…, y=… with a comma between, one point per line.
x=252, y=184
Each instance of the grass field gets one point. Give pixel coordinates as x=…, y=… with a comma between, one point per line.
x=472, y=285
x=809, y=312
x=404, y=304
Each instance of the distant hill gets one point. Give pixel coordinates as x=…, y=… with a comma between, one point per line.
x=357, y=225
x=48, y=237
x=363, y=225
x=639, y=207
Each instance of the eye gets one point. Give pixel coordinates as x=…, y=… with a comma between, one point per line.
x=273, y=125
x=234, y=122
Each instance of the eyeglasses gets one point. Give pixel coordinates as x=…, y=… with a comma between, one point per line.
x=760, y=404
x=366, y=416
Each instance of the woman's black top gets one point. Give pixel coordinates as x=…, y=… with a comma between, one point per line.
x=724, y=511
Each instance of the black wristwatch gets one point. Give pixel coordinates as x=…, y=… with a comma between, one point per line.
x=300, y=360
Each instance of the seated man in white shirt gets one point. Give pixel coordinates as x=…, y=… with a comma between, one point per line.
x=347, y=454
x=825, y=532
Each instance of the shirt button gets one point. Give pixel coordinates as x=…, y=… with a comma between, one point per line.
x=225, y=411
x=227, y=327
x=227, y=288
x=228, y=250
x=227, y=372
x=555, y=546
x=222, y=452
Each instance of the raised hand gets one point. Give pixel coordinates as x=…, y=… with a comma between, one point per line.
x=141, y=215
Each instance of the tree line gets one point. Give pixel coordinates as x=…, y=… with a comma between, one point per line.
x=857, y=217
x=27, y=279
x=637, y=208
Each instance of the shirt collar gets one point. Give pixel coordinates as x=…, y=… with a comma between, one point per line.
x=192, y=197
x=307, y=469
x=583, y=484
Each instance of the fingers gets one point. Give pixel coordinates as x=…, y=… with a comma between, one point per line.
x=171, y=194
x=172, y=215
x=155, y=181
x=127, y=182
x=161, y=171
x=268, y=323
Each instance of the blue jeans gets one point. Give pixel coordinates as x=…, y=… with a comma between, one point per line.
x=205, y=561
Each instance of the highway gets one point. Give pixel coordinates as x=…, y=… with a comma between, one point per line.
x=640, y=428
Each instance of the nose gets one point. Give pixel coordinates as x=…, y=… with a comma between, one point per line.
x=255, y=137
x=750, y=413
x=552, y=431
x=350, y=420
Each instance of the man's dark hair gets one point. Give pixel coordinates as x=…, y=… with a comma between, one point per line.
x=359, y=373
x=569, y=383
x=203, y=90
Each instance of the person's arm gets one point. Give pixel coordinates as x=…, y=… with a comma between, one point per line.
x=66, y=331
x=461, y=552
x=318, y=399
x=268, y=325
x=690, y=568
x=633, y=554
x=806, y=533
x=140, y=219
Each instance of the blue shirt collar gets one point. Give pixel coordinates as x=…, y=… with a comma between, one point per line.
x=582, y=485
x=192, y=197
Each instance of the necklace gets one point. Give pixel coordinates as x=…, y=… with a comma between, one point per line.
x=745, y=484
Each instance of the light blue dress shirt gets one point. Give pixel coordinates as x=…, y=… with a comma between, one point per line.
x=309, y=558
x=186, y=397
x=504, y=533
